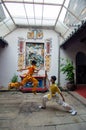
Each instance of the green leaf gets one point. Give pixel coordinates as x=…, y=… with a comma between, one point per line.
x=67, y=68
x=14, y=78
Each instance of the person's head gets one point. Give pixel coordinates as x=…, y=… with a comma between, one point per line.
x=53, y=79
x=33, y=62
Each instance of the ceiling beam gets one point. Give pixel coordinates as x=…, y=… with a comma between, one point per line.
x=35, y=27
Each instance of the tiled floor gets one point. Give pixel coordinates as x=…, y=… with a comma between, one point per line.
x=19, y=111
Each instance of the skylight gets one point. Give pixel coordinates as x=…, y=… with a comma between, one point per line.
x=59, y=14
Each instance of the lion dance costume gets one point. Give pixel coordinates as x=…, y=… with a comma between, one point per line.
x=27, y=78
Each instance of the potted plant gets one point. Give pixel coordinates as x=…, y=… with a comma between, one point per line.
x=68, y=69
x=14, y=78
x=13, y=83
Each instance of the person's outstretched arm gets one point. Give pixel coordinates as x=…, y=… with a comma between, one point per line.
x=58, y=91
x=62, y=97
x=23, y=69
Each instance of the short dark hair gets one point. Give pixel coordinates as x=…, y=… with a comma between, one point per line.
x=33, y=62
x=53, y=77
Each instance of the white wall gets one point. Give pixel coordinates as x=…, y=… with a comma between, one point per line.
x=9, y=55
x=70, y=53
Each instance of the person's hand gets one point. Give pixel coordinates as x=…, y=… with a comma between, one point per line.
x=19, y=70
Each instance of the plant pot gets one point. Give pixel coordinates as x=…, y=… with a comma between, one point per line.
x=71, y=86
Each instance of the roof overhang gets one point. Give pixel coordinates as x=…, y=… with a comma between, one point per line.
x=3, y=43
x=79, y=35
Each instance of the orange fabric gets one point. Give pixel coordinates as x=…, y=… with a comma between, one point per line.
x=14, y=85
x=23, y=82
x=30, y=79
x=27, y=78
x=31, y=70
